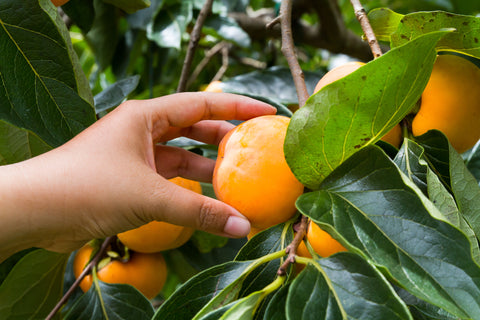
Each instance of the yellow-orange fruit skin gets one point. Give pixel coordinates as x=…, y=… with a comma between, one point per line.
x=214, y=86
x=451, y=102
x=59, y=3
x=322, y=242
x=146, y=272
x=252, y=175
x=159, y=236
x=394, y=136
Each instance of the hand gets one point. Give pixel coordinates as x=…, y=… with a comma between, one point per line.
x=113, y=176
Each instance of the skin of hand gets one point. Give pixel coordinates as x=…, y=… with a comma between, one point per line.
x=112, y=177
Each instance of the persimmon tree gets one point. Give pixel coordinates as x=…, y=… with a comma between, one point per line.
x=407, y=217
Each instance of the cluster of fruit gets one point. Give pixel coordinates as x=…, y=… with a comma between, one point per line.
x=252, y=175
x=143, y=266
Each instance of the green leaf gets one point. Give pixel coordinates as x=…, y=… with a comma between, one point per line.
x=111, y=301
x=206, y=242
x=130, y=6
x=169, y=24
x=245, y=308
x=362, y=290
x=33, y=287
x=227, y=28
x=18, y=144
x=42, y=87
x=192, y=296
x=81, y=12
x=465, y=38
x=343, y=286
x=276, y=306
x=311, y=297
x=7, y=265
x=410, y=160
x=384, y=22
x=455, y=175
x=357, y=110
x=114, y=94
x=376, y=209
x=275, y=83
x=103, y=35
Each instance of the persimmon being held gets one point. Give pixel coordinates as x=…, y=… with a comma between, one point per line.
x=159, y=236
x=252, y=175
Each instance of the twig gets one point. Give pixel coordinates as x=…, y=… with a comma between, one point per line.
x=288, y=50
x=291, y=249
x=84, y=273
x=208, y=56
x=224, y=66
x=367, y=28
x=192, y=45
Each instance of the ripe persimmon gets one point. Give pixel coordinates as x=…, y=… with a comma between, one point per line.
x=147, y=272
x=252, y=175
x=322, y=242
x=451, y=102
x=394, y=136
x=159, y=236
x=214, y=86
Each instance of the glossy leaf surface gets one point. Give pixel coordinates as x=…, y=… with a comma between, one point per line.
x=357, y=110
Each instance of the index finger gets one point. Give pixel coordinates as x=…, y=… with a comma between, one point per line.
x=185, y=109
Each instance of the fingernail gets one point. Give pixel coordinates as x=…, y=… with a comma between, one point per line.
x=237, y=227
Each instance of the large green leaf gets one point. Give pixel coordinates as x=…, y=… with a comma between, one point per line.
x=357, y=110
x=18, y=144
x=33, y=287
x=455, y=175
x=343, y=286
x=311, y=297
x=412, y=161
x=376, y=209
x=399, y=29
x=168, y=24
x=111, y=301
x=42, y=88
x=199, y=290
x=465, y=38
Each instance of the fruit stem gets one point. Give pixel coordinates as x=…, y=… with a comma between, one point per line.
x=291, y=249
x=367, y=28
x=99, y=255
x=288, y=50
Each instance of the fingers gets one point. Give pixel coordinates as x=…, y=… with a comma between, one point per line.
x=185, y=109
x=174, y=204
x=207, y=131
x=173, y=162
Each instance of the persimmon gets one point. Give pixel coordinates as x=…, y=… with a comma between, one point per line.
x=451, y=102
x=147, y=272
x=159, y=236
x=59, y=3
x=252, y=175
x=322, y=242
x=394, y=136
x=214, y=86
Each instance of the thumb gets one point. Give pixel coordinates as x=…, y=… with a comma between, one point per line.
x=174, y=204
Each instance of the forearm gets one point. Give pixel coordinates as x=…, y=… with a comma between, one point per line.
x=16, y=217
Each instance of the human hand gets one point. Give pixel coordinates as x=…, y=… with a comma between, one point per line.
x=112, y=177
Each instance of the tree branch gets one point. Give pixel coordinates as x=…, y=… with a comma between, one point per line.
x=288, y=50
x=291, y=249
x=367, y=28
x=98, y=256
x=330, y=34
x=192, y=45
